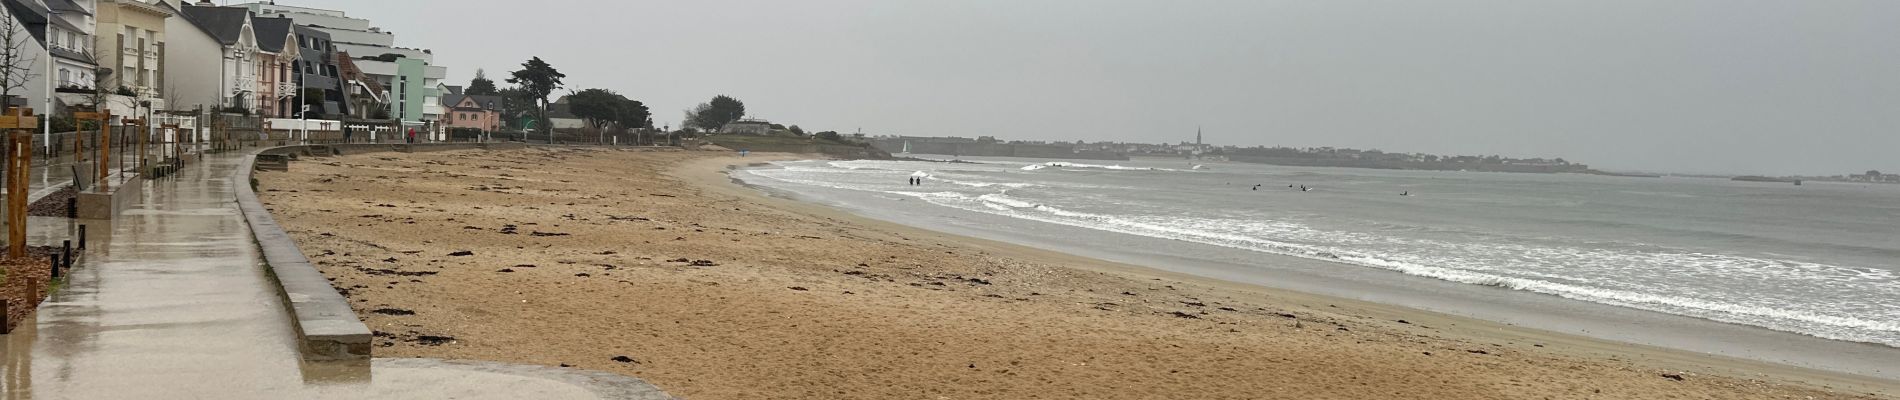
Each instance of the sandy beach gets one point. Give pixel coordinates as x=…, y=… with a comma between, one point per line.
x=655, y=265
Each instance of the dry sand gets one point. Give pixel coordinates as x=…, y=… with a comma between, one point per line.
x=651, y=264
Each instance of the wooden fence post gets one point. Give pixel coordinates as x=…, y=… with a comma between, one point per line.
x=18, y=123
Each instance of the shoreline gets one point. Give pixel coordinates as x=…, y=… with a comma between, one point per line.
x=713, y=174
x=656, y=265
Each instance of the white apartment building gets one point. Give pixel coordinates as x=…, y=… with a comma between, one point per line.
x=72, y=40
x=65, y=28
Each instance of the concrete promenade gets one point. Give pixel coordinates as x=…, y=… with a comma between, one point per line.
x=173, y=302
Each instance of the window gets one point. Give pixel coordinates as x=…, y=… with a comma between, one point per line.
x=65, y=77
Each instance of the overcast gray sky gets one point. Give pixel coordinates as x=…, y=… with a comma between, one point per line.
x=1772, y=87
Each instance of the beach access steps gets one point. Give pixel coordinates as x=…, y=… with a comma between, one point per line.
x=274, y=162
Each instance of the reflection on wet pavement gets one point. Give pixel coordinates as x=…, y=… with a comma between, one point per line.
x=173, y=302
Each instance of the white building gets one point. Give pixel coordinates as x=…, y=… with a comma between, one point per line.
x=365, y=44
x=69, y=28
x=235, y=57
x=72, y=37
x=195, y=78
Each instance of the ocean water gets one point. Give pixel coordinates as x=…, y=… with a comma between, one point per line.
x=1821, y=260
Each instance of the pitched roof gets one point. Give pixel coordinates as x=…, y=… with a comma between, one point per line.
x=487, y=101
x=482, y=102
x=451, y=99
x=224, y=23
x=67, y=6
x=311, y=32
x=63, y=24
x=29, y=14
x=271, y=33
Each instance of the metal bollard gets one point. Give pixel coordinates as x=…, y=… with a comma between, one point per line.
x=66, y=250
x=82, y=237
x=55, y=267
x=72, y=207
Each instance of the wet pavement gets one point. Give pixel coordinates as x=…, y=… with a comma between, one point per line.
x=172, y=302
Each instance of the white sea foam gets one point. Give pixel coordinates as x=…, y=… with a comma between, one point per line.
x=1678, y=281
x=1066, y=164
x=1823, y=325
x=981, y=184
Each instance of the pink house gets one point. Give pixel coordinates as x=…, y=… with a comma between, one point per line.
x=466, y=111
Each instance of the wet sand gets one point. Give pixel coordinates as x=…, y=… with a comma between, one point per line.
x=653, y=264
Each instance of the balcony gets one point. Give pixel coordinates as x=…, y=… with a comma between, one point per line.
x=244, y=84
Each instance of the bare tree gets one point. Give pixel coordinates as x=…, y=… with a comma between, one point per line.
x=16, y=58
x=102, y=82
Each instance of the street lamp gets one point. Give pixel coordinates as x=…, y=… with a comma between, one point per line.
x=305, y=115
x=303, y=110
x=47, y=144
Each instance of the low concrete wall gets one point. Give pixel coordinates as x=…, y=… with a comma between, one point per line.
x=363, y=148
x=327, y=329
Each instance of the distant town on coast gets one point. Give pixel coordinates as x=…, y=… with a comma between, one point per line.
x=990, y=146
